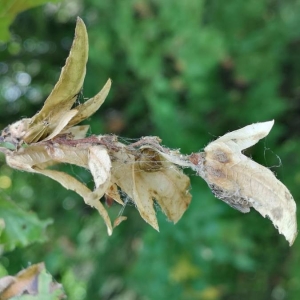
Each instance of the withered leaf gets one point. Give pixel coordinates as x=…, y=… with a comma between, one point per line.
x=165, y=183
x=119, y=220
x=89, y=107
x=56, y=116
x=65, y=92
x=76, y=132
x=30, y=281
x=37, y=157
x=113, y=193
x=151, y=177
x=242, y=183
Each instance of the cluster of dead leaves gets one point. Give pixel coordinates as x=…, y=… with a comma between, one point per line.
x=144, y=170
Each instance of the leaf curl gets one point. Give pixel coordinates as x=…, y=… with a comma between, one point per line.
x=150, y=177
x=242, y=183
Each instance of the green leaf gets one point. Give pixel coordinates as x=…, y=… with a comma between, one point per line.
x=8, y=145
x=9, y=10
x=20, y=228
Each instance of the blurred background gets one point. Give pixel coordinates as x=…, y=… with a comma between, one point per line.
x=188, y=72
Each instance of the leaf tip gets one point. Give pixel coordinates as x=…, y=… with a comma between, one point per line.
x=269, y=125
x=109, y=230
x=79, y=20
x=291, y=242
x=107, y=86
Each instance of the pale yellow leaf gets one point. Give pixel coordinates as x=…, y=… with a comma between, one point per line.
x=149, y=178
x=86, y=109
x=73, y=184
x=36, y=157
x=113, y=192
x=144, y=201
x=243, y=183
x=77, y=132
x=61, y=124
x=65, y=92
x=71, y=78
x=123, y=174
x=169, y=187
x=247, y=136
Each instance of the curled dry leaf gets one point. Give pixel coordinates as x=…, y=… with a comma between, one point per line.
x=37, y=157
x=56, y=116
x=242, y=183
x=119, y=220
x=149, y=176
x=144, y=171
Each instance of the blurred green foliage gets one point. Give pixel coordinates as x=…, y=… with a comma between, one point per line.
x=20, y=228
x=186, y=71
x=9, y=10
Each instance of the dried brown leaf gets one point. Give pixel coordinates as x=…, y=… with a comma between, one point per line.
x=113, y=193
x=76, y=132
x=242, y=183
x=29, y=282
x=165, y=183
x=65, y=91
x=123, y=174
x=61, y=124
x=151, y=177
x=89, y=107
x=119, y=220
x=37, y=157
x=24, y=282
x=56, y=114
